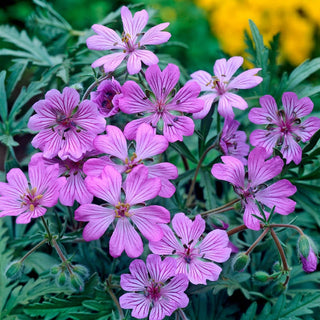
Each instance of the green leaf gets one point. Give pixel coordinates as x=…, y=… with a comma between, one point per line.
x=302, y=72
x=251, y=312
x=209, y=191
x=3, y=97
x=32, y=48
x=8, y=140
x=183, y=149
x=17, y=71
x=312, y=142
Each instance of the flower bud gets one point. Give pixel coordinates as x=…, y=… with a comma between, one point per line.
x=76, y=282
x=61, y=279
x=14, y=270
x=309, y=264
x=55, y=270
x=261, y=276
x=240, y=261
x=81, y=270
x=277, y=267
x=304, y=246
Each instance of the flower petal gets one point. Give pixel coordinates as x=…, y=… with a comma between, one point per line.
x=246, y=80
x=137, y=302
x=155, y=35
x=110, y=62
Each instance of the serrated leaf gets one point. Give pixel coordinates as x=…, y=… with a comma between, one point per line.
x=302, y=72
x=32, y=48
x=17, y=71
x=8, y=140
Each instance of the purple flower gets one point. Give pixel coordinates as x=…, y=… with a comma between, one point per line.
x=107, y=97
x=284, y=127
x=131, y=44
x=220, y=86
x=67, y=127
x=233, y=142
x=148, y=144
x=309, y=264
x=154, y=285
x=163, y=105
x=254, y=188
x=138, y=188
x=30, y=200
x=75, y=188
x=194, y=256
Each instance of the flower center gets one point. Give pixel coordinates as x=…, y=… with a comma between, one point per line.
x=218, y=84
x=189, y=252
x=122, y=210
x=132, y=162
x=153, y=290
x=106, y=103
x=126, y=39
x=73, y=168
x=65, y=121
x=30, y=199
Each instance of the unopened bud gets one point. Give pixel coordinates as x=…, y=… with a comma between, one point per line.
x=261, y=276
x=240, y=261
x=14, y=270
x=78, y=87
x=76, y=282
x=304, y=246
x=81, y=270
x=309, y=264
x=55, y=270
x=61, y=279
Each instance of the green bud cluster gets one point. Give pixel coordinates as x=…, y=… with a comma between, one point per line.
x=240, y=261
x=14, y=270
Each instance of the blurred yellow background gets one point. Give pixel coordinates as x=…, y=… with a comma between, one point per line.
x=297, y=20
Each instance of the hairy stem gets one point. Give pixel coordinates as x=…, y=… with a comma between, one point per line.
x=262, y=235
x=47, y=228
x=282, y=255
x=287, y=226
x=94, y=84
x=236, y=230
x=36, y=247
x=226, y=207
x=61, y=255
x=189, y=199
x=114, y=298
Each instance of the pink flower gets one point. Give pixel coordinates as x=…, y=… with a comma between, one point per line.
x=154, y=285
x=254, y=188
x=163, y=105
x=233, y=142
x=30, y=200
x=194, y=257
x=75, y=188
x=131, y=44
x=220, y=86
x=107, y=97
x=309, y=264
x=148, y=144
x=67, y=127
x=284, y=127
x=138, y=188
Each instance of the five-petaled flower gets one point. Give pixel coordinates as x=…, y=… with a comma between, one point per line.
x=30, y=200
x=194, y=256
x=138, y=188
x=153, y=284
x=148, y=144
x=221, y=85
x=67, y=127
x=251, y=186
x=284, y=127
x=130, y=45
x=164, y=105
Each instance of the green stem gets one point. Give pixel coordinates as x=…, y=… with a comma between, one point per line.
x=226, y=207
x=189, y=199
x=47, y=229
x=182, y=314
x=33, y=249
x=262, y=235
x=282, y=255
x=236, y=230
